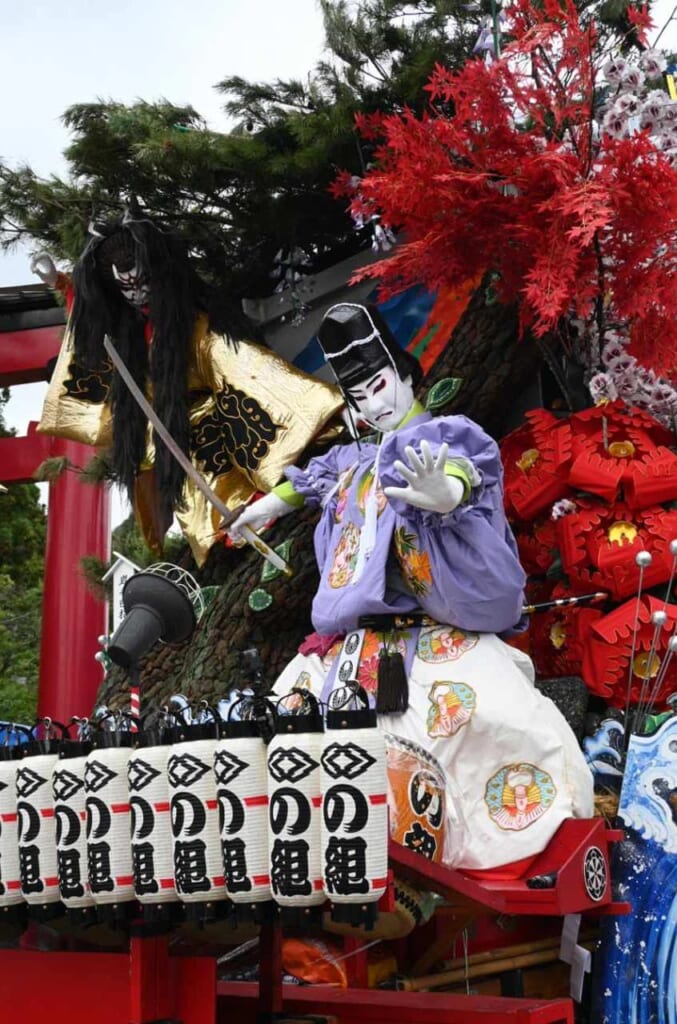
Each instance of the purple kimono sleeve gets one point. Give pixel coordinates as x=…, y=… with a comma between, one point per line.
x=467, y=443
x=478, y=581
x=320, y=476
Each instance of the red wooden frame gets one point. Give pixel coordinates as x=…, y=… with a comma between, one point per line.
x=238, y=1003
x=138, y=987
x=78, y=524
x=149, y=985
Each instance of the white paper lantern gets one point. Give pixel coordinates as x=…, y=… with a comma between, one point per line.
x=354, y=815
x=295, y=811
x=198, y=865
x=242, y=792
x=109, y=850
x=151, y=835
x=37, y=831
x=10, y=880
x=70, y=812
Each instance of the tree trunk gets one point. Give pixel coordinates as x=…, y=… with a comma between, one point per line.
x=495, y=368
x=495, y=365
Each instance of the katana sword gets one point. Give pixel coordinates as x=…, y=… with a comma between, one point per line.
x=183, y=460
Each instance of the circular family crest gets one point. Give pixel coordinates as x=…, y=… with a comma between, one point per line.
x=594, y=873
x=351, y=644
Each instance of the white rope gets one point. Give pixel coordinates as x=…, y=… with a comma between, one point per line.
x=356, y=342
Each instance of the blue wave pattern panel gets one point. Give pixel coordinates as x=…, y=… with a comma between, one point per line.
x=636, y=976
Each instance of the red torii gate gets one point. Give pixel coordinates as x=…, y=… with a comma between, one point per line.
x=78, y=520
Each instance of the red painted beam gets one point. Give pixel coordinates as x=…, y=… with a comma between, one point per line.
x=64, y=988
x=238, y=1001
x=25, y=354
x=564, y=857
x=21, y=456
x=106, y=988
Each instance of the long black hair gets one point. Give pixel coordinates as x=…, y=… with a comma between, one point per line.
x=176, y=296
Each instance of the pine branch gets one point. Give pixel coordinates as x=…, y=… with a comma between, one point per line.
x=98, y=470
x=51, y=469
x=92, y=569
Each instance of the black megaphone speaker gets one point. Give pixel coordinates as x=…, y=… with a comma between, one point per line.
x=163, y=602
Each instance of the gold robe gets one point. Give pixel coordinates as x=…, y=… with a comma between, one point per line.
x=251, y=414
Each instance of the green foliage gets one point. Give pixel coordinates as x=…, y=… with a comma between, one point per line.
x=98, y=469
x=92, y=570
x=18, y=703
x=240, y=197
x=51, y=469
x=128, y=541
x=22, y=541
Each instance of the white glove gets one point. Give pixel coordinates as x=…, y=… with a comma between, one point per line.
x=428, y=486
x=42, y=265
x=256, y=515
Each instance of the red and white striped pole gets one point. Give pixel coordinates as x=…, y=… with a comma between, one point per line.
x=134, y=706
x=134, y=698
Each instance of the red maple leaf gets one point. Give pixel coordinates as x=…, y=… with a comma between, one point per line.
x=517, y=180
x=642, y=21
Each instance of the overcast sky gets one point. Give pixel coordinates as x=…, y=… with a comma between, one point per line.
x=75, y=51
x=78, y=51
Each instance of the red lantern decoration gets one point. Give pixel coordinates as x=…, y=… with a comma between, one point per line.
x=559, y=636
x=536, y=459
x=615, y=447
x=599, y=544
x=610, y=654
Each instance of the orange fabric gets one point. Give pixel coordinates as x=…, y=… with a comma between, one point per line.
x=314, y=961
x=323, y=962
x=64, y=284
x=412, y=773
x=449, y=307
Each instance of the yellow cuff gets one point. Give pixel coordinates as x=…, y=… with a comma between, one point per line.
x=288, y=494
x=453, y=469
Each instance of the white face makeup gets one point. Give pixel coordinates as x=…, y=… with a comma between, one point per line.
x=133, y=286
x=383, y=400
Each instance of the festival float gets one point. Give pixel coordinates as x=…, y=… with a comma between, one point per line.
x=413, y=755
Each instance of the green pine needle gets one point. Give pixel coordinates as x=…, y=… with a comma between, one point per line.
x=51, y=469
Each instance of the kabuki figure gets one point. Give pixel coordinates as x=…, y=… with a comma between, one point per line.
x=237, y=409
x=418, y=566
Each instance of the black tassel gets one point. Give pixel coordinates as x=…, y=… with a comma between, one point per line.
x=392, y=697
